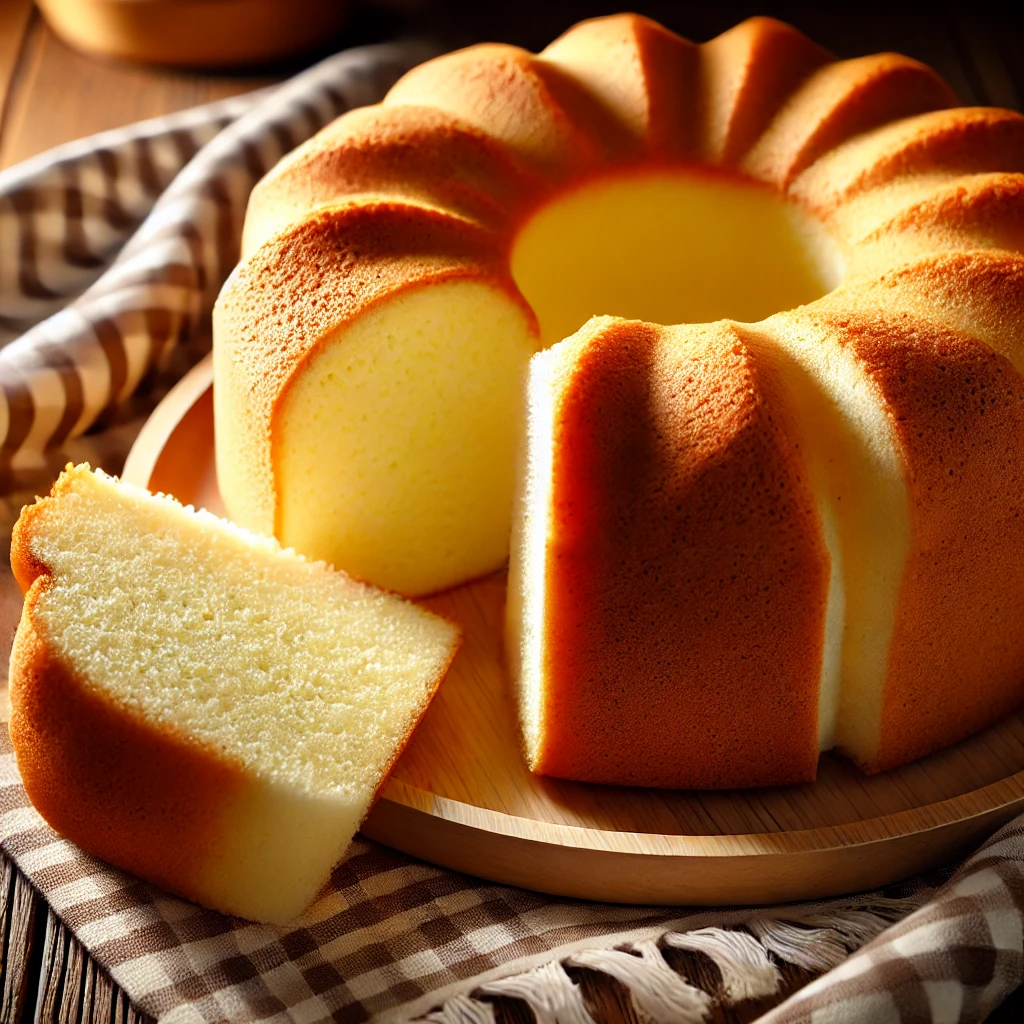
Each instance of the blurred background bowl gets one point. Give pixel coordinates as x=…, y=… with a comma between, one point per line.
x=196, y=33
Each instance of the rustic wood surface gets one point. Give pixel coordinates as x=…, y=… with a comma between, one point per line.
x=49, y=94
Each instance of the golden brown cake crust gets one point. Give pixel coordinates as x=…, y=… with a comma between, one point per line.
x=839, y=101
x=977, y=211
x=759, y=62
x=139, y=797
x=687, y=575
x=412, y=153
x=957, y=411
x=957, y=141
x=307, y=282
x=542, y=114
x=980, y=294
x=353, y=256
x=654, y=92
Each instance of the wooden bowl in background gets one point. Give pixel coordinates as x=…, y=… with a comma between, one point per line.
x=195, y=33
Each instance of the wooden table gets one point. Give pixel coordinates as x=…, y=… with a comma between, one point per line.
x=50, y=94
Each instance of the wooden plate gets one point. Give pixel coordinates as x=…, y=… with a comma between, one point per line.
x=460, y=795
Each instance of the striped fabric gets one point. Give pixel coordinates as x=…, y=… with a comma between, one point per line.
x=392, y=939
x=113, y=249
x=954, y=959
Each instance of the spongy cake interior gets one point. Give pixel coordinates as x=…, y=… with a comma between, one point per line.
x=861, y=478
x=680, y=245
x=280, y=665
x=423, y=501
x=524, y=642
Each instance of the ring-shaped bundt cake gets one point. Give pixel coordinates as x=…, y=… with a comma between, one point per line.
x=738, y=541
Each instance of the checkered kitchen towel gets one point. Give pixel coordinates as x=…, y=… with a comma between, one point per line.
x=394, y=939
x=111, y=252
x=113, y=249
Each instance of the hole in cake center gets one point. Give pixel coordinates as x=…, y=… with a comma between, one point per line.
x=687, y=245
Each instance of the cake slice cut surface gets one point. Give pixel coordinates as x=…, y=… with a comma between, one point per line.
x=196, y=705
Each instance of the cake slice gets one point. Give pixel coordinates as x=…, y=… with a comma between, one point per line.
x=672, y=618
x=198, y=706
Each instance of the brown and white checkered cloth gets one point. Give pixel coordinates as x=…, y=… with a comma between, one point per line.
x=113, y=249
x=111, y=252
x=393, y=939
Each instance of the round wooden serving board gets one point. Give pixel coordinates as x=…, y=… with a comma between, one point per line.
x=460, y=795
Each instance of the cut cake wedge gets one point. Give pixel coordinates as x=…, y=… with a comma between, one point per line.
x=198, y=706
